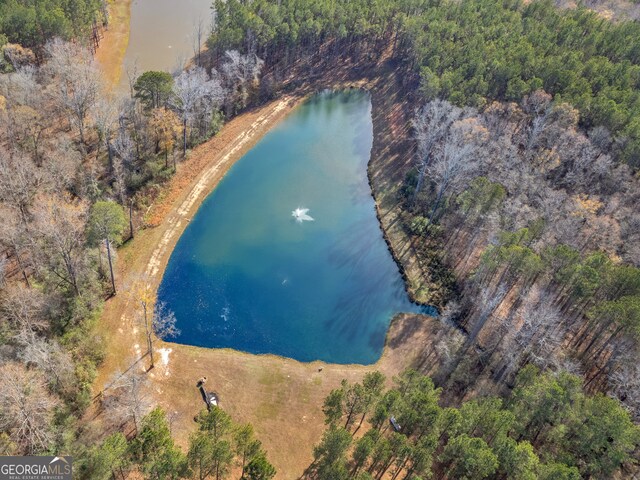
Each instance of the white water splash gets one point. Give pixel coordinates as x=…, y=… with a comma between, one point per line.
x=301, y=215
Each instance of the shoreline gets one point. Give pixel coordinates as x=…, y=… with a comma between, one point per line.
x=265, y=390
x=168, y=217
x=391, y=158
x=113, y=46
x=204, y=187
x=146, y=256
x=407, y=281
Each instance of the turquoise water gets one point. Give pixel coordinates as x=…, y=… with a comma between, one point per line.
x=246, y=275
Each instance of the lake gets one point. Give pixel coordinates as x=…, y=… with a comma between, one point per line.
x=161, y=33
x=248, y=275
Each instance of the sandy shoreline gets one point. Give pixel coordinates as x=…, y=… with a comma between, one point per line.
x=145, y=257
x=113, y=45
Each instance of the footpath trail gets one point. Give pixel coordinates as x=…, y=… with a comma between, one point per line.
x=143, y=258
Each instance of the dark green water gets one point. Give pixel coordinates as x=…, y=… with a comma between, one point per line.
x=246, y=275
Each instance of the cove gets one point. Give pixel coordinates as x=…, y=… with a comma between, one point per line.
x=246, y=274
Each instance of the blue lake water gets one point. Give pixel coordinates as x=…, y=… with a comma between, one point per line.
x=246, y=275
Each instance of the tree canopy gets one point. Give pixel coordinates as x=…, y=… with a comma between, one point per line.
x=468, y=52
x=547, y=428
x=32, y=23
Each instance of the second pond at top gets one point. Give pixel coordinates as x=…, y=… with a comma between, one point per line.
x=162, y=31
x=248, y=275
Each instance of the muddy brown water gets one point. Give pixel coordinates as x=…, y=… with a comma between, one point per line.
x=162, y=33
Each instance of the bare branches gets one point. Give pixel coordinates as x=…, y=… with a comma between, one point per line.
x=3, y=269
x=61, y=227
x=431, y=124
x=127, y=398
x=458, y=161
x=21, y=87
x=79, y=80
x=26, y=409
x=197, y=96
x=164, y=322
x=19, y=183
x=242, y=72
x=23, y=308
x=105, y=115
x=55, y=363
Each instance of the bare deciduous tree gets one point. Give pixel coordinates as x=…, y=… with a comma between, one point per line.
x=29, y=127
x=155, y=318
x=104, y=117
x=430, y=124
x=14, y=235
x=196, y=39
x=3, y=269
x=541, y=332
x=454, y=165
x=125, y=147
x=21, y=88
x=26, y=408
x=50, y=358
x=242, y=72
x=79, y=80
x=196, y=95
x=61, y=226
x=19, y=183
x=61, y=166
x=163, y=326
x=126, y=399
x=23, y=308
